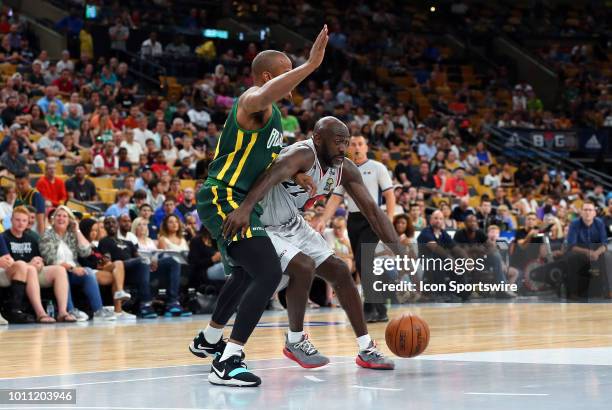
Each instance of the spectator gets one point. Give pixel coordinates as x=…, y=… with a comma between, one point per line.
x=14, y=162
x=12, y=112
x=151, y=47
x=424, y=179
x=107, y=272
x=7, y=205
x=50, y=145
x=435, y=242
x=106, y=164
x=449, y=222
x=26, y=195
x=427, y=149
x=146, y=212
x=461, y=211
x=170, y=152
x=141, y=231
x=337, y=240
x=23, y=246
x=65, y=63
x=483, y=155
x=168, y=208
x=205, y=257
x=50, y=187
x=62, y=245
x=80, y=187
x=417, y=220
x=188, y=204
x=457, y=185
x=492, y=179
x=171, y=234
x=404, y=171
x=289, y=122
x=198, y=115
x=138, y=271
x=49, y=98
x=160, y=167
x=142, y=134
x=587, y=242
x=14, y=274
x=119, y=35
x=121, y=206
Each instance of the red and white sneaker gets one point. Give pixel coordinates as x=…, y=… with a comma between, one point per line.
x=372, y=358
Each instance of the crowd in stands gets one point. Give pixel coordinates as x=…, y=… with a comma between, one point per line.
x=100, y=173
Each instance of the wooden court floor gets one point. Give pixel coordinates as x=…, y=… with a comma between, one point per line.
x=67, y=349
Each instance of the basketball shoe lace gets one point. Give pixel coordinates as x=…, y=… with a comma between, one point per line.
x=373, y=351
x=306, y=346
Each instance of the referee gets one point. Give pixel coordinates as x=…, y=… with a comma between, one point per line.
x=376, y=179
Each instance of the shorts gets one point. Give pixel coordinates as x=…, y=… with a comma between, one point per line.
x=294, y=237
x=214, y=201
x=5, y=282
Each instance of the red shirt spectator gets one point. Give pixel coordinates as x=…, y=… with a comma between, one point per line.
x=64, y=83
x=457, y=185
x=160, y=166
x=50, y=187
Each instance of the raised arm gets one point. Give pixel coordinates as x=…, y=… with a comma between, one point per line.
x=285, y=166
x=353, y=184
x=258, y=99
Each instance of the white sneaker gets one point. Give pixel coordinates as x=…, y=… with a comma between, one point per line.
x=79, y=315
x=103, y=314
x=125, y=316
x=3, y=321
x=122, y=295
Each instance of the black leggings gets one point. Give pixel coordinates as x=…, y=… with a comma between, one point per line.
x=251, y=285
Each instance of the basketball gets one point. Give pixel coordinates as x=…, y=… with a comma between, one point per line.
x=407, y=335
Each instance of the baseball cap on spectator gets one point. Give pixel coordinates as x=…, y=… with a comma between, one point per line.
x=16, y=76
x=421, y=125
x=15, y=127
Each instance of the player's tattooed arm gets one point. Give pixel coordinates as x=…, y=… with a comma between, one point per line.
x=286, y=165
x=354, y=186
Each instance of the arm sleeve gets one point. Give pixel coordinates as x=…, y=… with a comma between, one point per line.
x=384, y=180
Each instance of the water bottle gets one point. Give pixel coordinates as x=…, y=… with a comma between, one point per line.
x=50, y=309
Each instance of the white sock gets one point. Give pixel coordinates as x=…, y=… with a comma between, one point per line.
x=212, y=335
x=231, y=349
x=295, y=337
x=364, y=342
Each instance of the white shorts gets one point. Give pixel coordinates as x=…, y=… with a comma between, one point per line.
x=294, y=237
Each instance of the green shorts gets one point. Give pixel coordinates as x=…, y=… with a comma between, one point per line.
x=214, y=202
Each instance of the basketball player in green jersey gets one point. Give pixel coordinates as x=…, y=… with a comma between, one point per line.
x=252, y=137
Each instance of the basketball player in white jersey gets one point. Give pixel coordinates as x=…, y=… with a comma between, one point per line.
x=302, y=251
x=378, y=183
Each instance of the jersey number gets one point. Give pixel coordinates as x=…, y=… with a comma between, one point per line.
x=293, y=188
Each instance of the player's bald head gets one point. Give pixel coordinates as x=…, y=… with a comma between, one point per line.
x=270, y=61
x=330, y=126
x=331, y=137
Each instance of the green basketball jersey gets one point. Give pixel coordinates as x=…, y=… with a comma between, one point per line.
x=242, y=155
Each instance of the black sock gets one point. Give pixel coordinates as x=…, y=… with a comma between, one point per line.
x=17, y=294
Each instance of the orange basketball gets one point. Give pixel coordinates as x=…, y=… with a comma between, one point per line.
x=407, y=335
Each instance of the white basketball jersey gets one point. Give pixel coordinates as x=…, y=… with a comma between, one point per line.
x=285, y=201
